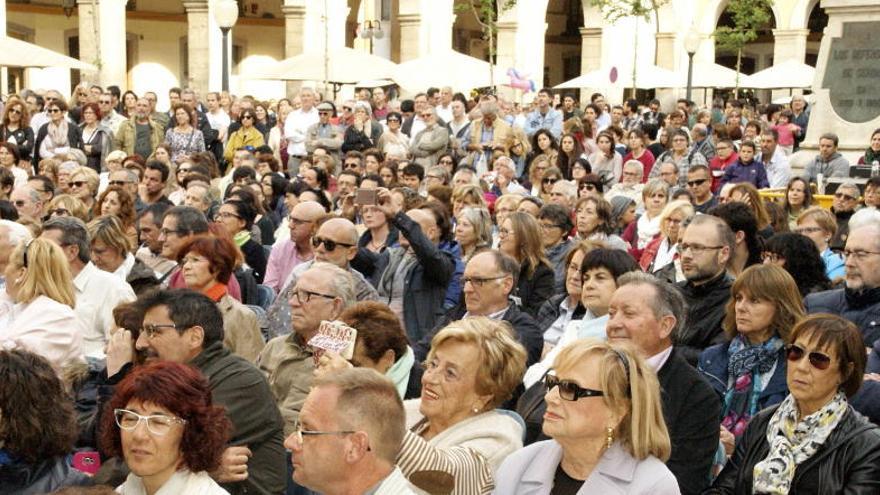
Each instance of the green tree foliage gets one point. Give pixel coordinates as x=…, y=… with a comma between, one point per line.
x=749, y=18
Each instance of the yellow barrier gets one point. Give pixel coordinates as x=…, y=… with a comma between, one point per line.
x=823, y=200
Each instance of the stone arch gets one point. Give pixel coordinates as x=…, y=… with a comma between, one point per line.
x=800, y=15
x=715, y=8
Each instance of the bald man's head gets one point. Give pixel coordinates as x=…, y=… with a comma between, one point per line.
x=302, y=220
x=342, y=236
x=426, y=221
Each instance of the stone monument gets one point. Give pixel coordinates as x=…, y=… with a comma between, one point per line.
x=847, y=83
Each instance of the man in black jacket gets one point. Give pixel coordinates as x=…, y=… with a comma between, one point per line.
x=184, y=326
x=705, y=249
x=646, y=312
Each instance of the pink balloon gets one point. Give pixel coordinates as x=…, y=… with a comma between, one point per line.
x=613, y=75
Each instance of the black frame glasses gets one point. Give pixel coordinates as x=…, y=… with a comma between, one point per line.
x=329, y=245
x=479, y=281
x=818, y=360
x=698, y=182
x=569, y=390
x=308, y=295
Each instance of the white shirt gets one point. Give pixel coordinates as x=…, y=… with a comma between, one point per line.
x=444, y=113
x=295, y=128
x=417, y=125
x=778, y=169
x=38, y=120
x=125, y=268
x=43, y=326
x=97, y=293
x=113, y=121
x=658, y=360
x=219, y=120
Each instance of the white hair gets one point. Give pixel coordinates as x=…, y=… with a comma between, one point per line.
x=863, y=218
x=16, y=232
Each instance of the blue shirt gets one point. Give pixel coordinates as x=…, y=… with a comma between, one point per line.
x=552, y=121
x=834, y=267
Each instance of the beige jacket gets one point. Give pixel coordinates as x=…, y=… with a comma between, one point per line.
x=288, y=364
x=429, y=144
x=241, y=331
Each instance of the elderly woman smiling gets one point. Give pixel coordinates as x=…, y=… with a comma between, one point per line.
x=813, y=442
x=607, y=429
x=472, y=368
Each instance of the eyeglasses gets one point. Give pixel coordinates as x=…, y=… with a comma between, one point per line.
x=120, y=183
x=157, y=424
x=108, y=102
x=300, y=433
x=548, y=226
x=843, y=196
x=807, y=230
x=15, y=110
x=167, y=232
x=858, y=254
x=479, y=281
x=392, y=120
x=249, y=117
x=19, y=203
x=53, y=110
x=569, y=390
x=225, y=214
x=304, y=296
x=151, y=330
x=588, y=187
x=550, y=180
x=297, y=221
x=697, y=182
x=328, y=244
x=820, y=361
x=695, y=248
x=352, y=165
x=78, y=183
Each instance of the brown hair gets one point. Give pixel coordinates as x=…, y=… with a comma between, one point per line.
x=378, y=329
x=843, y=338
x=770, y=283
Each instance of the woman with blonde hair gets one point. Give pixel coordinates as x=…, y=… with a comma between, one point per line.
x=604, y=417
x=537, y=168
x=65, y=205
x=519, y=236
x=473, y=231
x=660, y=256
x=473, y=367
x=111, y=251
x=748, y=371
x=40, y=317
x=84, y=185
x=467, y=195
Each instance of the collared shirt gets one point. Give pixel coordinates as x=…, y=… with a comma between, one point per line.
x=295, y=128
x=445, y=113
x=97, y=293
x=125, y=268
x=393, y=484
x=282, y=260
x=492, y=316
x=554, y=332
x=552, y=121
x=778, y=169
x=219, y=120
x=658, y=360
x=113, y=121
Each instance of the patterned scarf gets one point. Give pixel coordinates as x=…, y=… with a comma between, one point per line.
x=870, y=156
x=747, y=364
x=792, y=442
x=58, y=133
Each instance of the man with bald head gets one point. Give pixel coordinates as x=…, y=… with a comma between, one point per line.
x=411, y=278
x=287, y=253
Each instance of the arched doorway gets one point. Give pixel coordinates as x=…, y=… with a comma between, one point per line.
x=816, y=23
x=756, y=55
x=562, y=42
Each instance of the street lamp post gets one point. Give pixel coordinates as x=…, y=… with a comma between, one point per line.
x=371, y=30
x=691, y=45
x=226, y=13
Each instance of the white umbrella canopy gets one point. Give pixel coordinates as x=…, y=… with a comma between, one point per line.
x=717, y=76
x=788, y=74
x=647, y=77
x=373, y=83
x=343, y=65
x=18, y=53
x=447, y=68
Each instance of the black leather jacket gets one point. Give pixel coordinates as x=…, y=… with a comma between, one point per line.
x=848, y=462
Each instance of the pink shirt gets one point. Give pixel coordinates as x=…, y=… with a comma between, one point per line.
x=282, y=260
x=45, y=327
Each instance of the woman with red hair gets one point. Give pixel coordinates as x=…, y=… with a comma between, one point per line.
x=207, y=263
x=165, y=426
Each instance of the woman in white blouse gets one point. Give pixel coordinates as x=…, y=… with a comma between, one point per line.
x=38, y=315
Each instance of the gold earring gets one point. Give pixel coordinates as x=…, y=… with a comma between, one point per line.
x=609, y=436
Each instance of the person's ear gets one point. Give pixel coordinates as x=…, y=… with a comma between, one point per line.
x=507, y=283
x=359, y=445
x=740, y=236
x=195, y=338
x=667, y=324
x=387, y=360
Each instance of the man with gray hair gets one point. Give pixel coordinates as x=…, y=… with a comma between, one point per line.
x=646, y=312
x=296, y=128
x=430, y=142
x=365, y=406
x=128, y=180
x=322, y=292
x=97, y=292
x=844, y=204
x=504, y=172
x=28, y=203
x=701, y=143
x=11, y=235
x=488, y=134
x=564, y=194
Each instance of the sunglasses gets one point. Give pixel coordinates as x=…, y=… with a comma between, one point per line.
x=569, y=390
x=844, y=196
x=250, y=117
x=820, y=361
x=393, y=120
x=54, y=110
x=78, y=183
x=698, y=182
x=588, y=187
x=550, y=180
x=328, y=244
x=15, y=110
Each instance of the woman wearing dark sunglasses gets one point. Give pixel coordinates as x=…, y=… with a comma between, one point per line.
x=818, y=443
x=748, y=371
x=604, y=418
x=247, y=135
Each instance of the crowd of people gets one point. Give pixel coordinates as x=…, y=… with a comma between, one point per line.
x=546, y=298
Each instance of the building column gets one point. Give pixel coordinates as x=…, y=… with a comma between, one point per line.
x=666, y=50
x=294, y=27
x=591, y=53
x=198, y=19
x=425, y=27
x=4, y=73
x=102, y=40
x=321, y=27
x=410, y=25
x=789, y=44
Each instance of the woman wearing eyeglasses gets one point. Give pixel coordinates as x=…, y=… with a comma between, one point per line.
x=36, y=311
x=247, y=135
x=454, y=427
x=393, y=142
x=16, y=128
x=58, y=135
x=606, y=426
x=207, y=263
x=660, y=257
x=39, y=427
x=817, y=442
x=165, y=426
x=748, y=371
x=237, y=217
x=364, y=132
x=820, y=226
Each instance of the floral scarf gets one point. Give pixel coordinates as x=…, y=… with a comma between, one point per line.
x=792, y=442
x=747, y=364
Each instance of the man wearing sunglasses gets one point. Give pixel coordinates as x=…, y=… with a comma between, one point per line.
x=28, y=203
x=844, y=204
x=699, y=183
x=324, y=133
x=646, y=312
